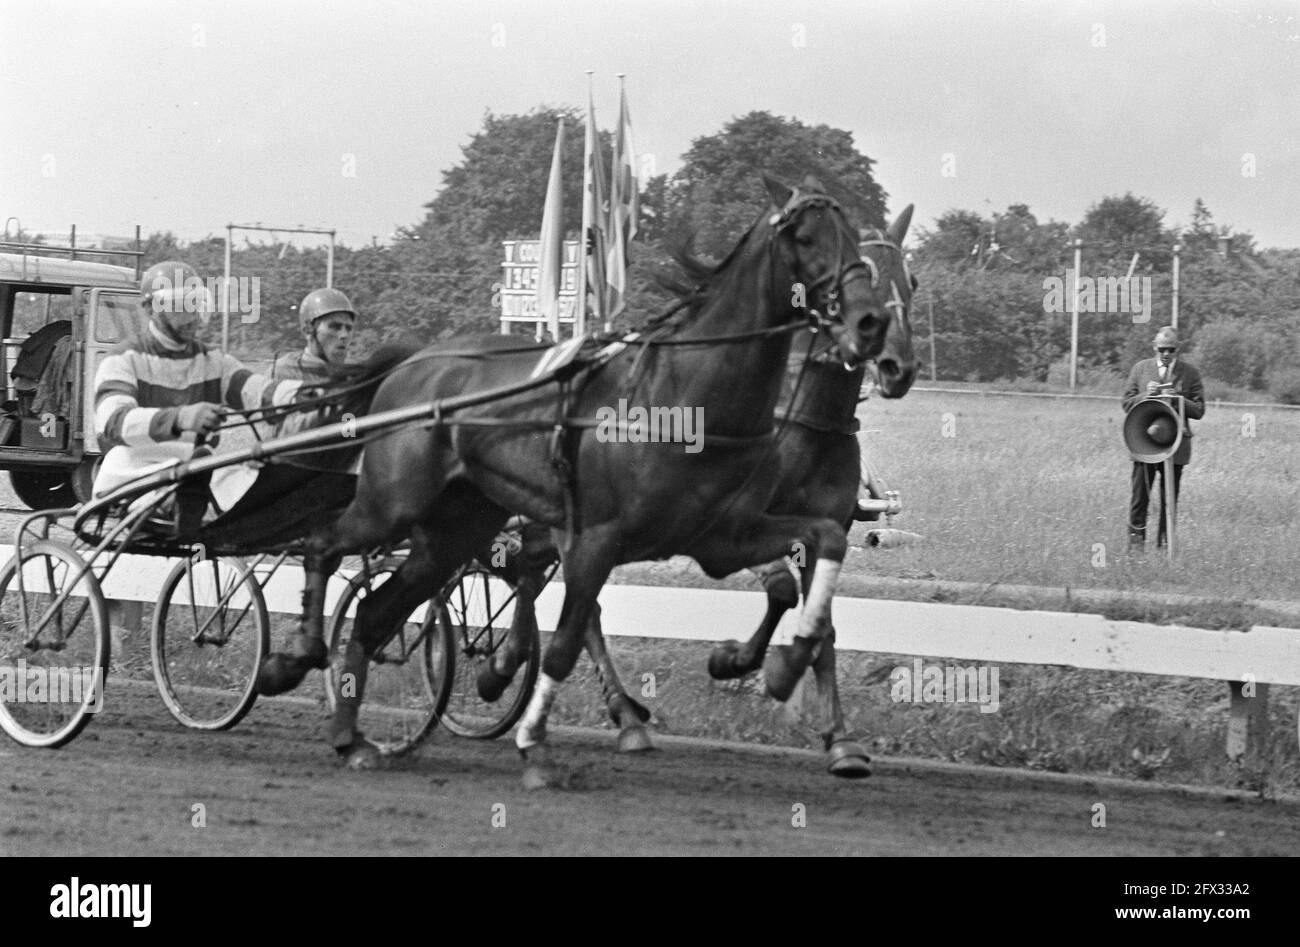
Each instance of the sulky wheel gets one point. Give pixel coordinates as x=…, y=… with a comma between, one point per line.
x=478, y=609
x=54, y=644
x=49, y=489
x=406, y=686
x=210, y=633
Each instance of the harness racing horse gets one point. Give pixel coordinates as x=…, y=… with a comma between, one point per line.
x=451, y=486
x=819, y=471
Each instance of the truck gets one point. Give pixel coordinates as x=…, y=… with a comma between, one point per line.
x=60, y=314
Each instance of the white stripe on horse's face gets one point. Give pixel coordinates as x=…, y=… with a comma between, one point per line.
x=897, y=301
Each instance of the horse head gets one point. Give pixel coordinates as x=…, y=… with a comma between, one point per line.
x=865, y=301
x=882, y=252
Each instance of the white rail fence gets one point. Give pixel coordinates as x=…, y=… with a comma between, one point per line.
x=1249, y=662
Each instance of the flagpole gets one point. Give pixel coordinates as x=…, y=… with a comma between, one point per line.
x=617, y=234
x=611, y=230
x=624, y=199
x=580, y=303
x=551, y=243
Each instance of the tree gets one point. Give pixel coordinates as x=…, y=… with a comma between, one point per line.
x=1115, y=228
x=718, y=191
x=498, y=189
x=452, y=259
x=956, y=239
x=1234, y=352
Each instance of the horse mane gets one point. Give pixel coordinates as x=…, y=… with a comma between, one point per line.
x=693, y=280
x=351, y=387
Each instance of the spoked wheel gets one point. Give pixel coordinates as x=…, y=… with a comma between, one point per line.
x=210, y=633
x=43, y=489
x=54, y=645
x=479, y=608
x=406, y=687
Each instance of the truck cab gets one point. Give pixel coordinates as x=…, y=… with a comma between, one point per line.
x=58, y=319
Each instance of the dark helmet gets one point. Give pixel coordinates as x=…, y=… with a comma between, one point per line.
x=320, y=303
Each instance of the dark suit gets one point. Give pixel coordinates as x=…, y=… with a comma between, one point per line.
x=1187, y=382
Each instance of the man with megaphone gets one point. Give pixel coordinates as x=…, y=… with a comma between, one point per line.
x=1160, y=392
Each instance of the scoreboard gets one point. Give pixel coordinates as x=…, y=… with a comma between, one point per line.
x=518, y=287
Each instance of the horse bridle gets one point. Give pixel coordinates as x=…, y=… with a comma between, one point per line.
x=897, y=307
x=831, y=283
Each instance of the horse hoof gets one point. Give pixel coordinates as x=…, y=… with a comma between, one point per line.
x=363, y=755
x=279, y=673
x=538, y=771
x=634, y=739
x=539, y=777
x=848, y=760
x=781, y=672
x=491, y=683
x=722, y=661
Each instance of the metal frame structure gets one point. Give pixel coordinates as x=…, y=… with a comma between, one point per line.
x=230, y=233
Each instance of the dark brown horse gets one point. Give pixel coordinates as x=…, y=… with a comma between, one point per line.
x=617, y=499
x=819, y=474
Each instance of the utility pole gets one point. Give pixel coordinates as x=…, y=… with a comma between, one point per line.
x=1074, y=315
x=1173, y=297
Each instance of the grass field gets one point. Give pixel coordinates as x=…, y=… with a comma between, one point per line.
x=1035, y=491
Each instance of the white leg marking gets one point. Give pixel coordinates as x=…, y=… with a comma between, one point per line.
x=816, y=615
x=532, y=729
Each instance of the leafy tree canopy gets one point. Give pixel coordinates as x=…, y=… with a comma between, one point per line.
x=718, y=191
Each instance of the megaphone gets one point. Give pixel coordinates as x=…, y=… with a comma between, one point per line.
x=1153, y=429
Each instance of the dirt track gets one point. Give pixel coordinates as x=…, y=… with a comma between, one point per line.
x=129, y=783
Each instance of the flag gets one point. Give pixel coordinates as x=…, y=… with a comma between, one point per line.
x=624, y=209
x=551, y=252
x=591, y=266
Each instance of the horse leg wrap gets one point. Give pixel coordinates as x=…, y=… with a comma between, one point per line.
x=785, y=667
x=532, y=729
x=816, y=618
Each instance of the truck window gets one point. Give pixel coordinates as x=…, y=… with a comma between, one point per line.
x=117, y=317
x=34, y=311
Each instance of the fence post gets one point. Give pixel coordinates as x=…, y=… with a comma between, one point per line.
x=1247, y=720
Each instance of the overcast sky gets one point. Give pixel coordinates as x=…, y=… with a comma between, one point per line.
x=184, y=116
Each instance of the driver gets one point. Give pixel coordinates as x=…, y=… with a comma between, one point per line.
x=159, y=393
x=327, y=318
